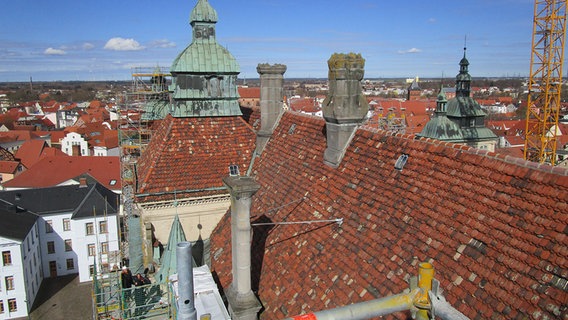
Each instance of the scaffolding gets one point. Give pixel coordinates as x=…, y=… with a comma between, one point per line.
x=149, y=86
x=110, y=300
x=545, y=83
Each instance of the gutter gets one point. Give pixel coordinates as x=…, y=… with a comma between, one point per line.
x=179, y=191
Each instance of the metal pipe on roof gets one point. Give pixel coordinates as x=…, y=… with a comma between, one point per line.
x=186, y=302
x=443, y=310
x=367, y=309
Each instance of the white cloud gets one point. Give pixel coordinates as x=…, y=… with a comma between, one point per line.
x=54, y=52
x=88, y=46
x=121, y=44
x=162, y=43
x=432, y=20
x=412, y=50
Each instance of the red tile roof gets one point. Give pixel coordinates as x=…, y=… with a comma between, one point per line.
x=52, y=171
x=30, y=152
x=189, y=156
x=249, y=93
x=494, y=227
x=307, y=105
x=8, y=166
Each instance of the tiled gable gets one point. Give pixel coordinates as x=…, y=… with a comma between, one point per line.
x=494, y=227
x=189, y=156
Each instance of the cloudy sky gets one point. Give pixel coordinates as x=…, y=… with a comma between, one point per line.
x=103, y=39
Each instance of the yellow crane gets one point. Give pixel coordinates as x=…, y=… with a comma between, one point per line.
x=545, y=83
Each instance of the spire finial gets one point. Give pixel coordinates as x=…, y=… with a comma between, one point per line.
x=464, y=45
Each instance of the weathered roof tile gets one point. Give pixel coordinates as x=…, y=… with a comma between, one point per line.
x=445, y=198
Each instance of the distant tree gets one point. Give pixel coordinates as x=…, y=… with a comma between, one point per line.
x=22, y=95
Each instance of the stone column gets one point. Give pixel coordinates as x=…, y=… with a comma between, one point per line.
x=243, y=304
x=271, y=99
x=345, y=107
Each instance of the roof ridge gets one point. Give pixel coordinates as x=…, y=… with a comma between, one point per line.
x=493, y=155
x=543, y=167
x=84, y=200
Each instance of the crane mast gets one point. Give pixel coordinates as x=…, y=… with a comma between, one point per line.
x=545, y=83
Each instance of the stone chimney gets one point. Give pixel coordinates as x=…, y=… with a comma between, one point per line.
x=345, y=107
x=243, y=304
x=271, y=99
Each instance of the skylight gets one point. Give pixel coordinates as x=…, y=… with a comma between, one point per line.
x=234, y=170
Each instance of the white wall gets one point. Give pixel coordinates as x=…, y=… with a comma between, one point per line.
x=72, y=139
x=83, y=240
x=26, y=274
x=79, y=243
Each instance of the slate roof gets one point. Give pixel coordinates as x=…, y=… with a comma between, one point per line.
x=16, y=222
x=61, y=169
x=82, y=201
x=494, y=227
x=189, y=156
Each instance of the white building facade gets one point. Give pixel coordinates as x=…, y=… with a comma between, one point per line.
x=72, y=141
x=20, y=272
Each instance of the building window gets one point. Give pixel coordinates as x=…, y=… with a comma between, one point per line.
x=103, y=227
x=10, y=283
x=50, y=247
x=48, y=226
x=12, y=306
x=7, y=258
x=68, y=245
x=104, y=247
x=91, y=249
x=66, y=224
x=89, y=228
x=91, y=270
x=1, y=306
x=70, y=264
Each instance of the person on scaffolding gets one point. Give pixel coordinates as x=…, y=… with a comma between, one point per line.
x=126, y=281
x=139, y=293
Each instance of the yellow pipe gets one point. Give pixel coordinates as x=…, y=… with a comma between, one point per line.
x=425, y=277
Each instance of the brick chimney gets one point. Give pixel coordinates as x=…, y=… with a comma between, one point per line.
x=345, y=107
x=243, y=304
x=271, y=99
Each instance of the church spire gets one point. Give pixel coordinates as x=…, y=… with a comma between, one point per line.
x=463, y=79
x=203, y=19
x=441, y=102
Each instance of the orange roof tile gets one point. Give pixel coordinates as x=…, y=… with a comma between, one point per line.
x=30, y=152
x=53, y=170
x=8, y=166
x=249, y=93
x=190, y=155
x=493, y=226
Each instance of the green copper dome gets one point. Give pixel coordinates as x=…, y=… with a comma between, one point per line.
x=203, y=12
x=204, y=74
x=442, y=128
x=205, y=57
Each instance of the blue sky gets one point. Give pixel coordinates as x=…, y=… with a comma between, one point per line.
x=103, y=40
